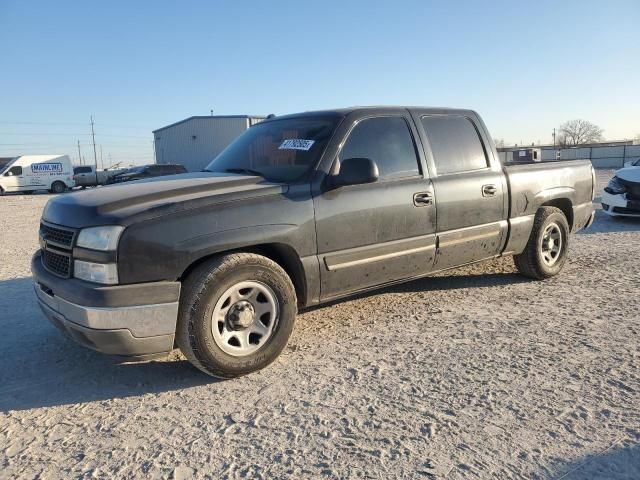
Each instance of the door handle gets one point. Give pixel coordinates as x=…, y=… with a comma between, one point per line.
x=489, y=190
x=422, y=199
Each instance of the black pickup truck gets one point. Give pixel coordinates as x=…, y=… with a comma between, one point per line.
x=301, y=209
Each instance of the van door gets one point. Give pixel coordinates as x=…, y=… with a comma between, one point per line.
x=375, y=233
x=13, y=178
x=469, y=191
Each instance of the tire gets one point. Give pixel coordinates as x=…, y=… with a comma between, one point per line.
x=233, y=349
x=58, y=187
x=538, y=260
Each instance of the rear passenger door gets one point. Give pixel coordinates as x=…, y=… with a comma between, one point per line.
x=469, y=189
x=378, y=232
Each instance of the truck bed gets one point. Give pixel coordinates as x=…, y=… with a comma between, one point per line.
x=568, y=185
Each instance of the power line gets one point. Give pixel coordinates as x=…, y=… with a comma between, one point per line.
x=37, y=123
x=7, y=122
x=126, y=145
x=74, y=134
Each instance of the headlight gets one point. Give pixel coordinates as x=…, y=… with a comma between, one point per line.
x=615, y=187
x=100, y=238
x=106, y=273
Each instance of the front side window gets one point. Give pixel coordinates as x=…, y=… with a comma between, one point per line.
x=278, y=150
x=455, y=144
x=13, y=171
x=388, y=142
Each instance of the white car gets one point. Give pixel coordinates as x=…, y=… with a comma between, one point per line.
x=29, y=173
x=632, y=163
x=621, y=197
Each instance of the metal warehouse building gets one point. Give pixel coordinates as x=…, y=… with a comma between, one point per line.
x=195, y=141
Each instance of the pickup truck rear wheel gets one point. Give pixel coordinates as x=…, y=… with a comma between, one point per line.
x=236, y=314
x=546, y=251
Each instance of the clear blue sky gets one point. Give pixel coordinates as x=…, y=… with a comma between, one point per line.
x=137, y=66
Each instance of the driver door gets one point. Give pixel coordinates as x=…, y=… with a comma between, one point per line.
x=13, y=178
x=379, y=232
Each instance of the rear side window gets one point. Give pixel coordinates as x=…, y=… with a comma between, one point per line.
x=388, y=142
x=455, y=144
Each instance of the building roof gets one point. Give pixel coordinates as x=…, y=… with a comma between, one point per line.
x=207, y=117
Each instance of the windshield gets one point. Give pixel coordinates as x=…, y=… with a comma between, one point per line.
x=278, y=150
x=5, y=163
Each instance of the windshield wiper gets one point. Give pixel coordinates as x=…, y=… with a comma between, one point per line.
x=244, y=170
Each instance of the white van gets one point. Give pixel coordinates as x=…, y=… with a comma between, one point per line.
x=37, y=172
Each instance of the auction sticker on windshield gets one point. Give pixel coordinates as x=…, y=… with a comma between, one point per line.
x=296, y=144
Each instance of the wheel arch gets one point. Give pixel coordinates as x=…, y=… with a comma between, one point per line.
x=563, y=204
x=282, y=254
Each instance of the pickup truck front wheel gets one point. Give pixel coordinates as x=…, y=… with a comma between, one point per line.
x=546, y=250
x=236, y=314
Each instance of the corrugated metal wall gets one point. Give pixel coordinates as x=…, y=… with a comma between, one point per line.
x=601, y=157
x=197, y=141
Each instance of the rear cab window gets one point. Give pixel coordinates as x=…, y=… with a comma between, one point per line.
x=455, y=144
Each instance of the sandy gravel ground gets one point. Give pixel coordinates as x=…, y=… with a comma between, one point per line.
x=481, y=374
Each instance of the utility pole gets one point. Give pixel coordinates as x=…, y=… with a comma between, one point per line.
x=79, y=154
x=155, y=160
x=554, y=138
x=101, y=160
x=93, y=136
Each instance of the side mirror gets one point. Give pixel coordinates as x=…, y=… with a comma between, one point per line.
x=355, y=171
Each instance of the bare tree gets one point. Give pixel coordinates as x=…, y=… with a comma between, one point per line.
x=579, y=132
x=499, y=142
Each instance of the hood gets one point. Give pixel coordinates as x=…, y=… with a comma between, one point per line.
x=629, y=174
x=129, y=202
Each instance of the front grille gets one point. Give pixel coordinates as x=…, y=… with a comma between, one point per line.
x=57, y=235
x=633, y=189
x=57, y=263
x=57, y=244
